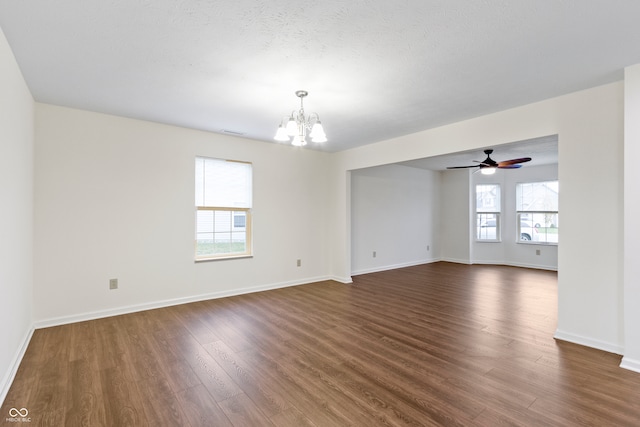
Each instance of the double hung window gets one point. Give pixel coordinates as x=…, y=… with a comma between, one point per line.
x=537, y=212
x=488, y=212
x=223, y=208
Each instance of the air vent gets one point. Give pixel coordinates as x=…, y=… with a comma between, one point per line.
x=232, y=132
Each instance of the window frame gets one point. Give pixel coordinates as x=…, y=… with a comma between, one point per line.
x=481, y=213
x=532, y=214
x=247, y=211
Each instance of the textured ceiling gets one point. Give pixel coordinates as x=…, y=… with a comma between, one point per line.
x=374, y=69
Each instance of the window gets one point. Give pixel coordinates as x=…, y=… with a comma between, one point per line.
x=537, y=212
x=488, y=212
x=223, y=208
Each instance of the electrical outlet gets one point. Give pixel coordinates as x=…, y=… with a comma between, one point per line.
x=113, y=284
x=537, y=251
x=374, y=254
x=299, y=263
x=428, y=247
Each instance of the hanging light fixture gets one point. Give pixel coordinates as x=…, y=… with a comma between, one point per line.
x=295, y=127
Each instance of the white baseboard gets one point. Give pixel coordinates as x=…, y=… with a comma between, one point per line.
x=456, y=260
x=392, y=267
x=63, y=320
x=630, y=364
x=5, y=385
x=589, y=342
x=517, y=264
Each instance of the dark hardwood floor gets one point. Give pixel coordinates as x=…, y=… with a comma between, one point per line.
x=437, y=344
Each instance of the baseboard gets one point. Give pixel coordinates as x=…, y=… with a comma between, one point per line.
x=456, y=260
x=517, y=264
x=346, y=280
x=588, y=342
x=393, y=267
x=5, y=385
x=63, y=320
x=630, y=364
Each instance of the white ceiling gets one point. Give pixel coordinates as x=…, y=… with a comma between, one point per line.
x=374, y=69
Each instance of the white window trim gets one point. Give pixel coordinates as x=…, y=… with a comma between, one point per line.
x=498, y=215
x=519, y=232
x=531, y=212
x=248, y=225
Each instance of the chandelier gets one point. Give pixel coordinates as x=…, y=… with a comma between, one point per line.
x=297, y=125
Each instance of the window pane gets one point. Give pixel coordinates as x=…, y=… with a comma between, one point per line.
x=537, y=196
x=217, y=234
x=488, y=198
x=538, y=227
x=204, y=221
x=223, y=221
x=204, y=233
x=239, y=220
x=487, y=226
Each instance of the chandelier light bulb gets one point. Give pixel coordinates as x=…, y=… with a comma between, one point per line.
x=292, y=126
x=281, y=134
x=317, y=130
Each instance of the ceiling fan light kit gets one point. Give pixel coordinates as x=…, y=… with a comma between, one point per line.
x=488, y=170
x=297, y=126
x=488, y=166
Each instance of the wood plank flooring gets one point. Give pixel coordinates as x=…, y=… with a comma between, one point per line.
x=434, y=345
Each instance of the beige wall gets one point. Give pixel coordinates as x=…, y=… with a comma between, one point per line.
x=631, y=358
x=16, y=214
x=115, y=199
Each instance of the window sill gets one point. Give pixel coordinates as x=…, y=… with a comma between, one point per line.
x=529, y=242
x=222, y=258
x=488, y=241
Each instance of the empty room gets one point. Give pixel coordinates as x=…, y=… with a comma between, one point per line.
x=284, y=213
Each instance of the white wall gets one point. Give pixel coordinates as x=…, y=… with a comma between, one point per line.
x=455, y=216
x=631, y=358
x=115, y=199
x=590, y=271
x=509, y=251
x=398, y=211
x=394, y=212
x=589, y=124
x=16, y=215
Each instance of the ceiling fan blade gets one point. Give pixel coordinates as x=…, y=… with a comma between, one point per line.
x=509, y=166
x=484, y=163
x=463, y=167
x=514, y=161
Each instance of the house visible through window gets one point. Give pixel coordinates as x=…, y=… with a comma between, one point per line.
x=537, y=212
x=488, y=212
x=223, y=208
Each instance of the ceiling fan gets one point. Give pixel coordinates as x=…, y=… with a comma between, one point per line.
x=488, y=166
